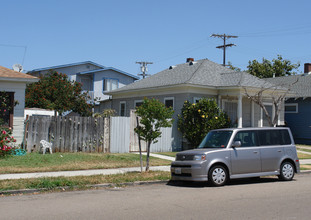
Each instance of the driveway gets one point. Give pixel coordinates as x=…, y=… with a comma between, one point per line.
x=265, y=198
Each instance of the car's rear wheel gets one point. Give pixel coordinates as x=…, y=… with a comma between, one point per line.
x=218, y=175
x=287, y=171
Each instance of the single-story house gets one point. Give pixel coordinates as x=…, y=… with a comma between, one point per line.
x=194, y=80
x=14, y=84
x=298, y=104
x=95, y=78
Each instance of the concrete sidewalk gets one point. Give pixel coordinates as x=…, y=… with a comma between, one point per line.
x=158, y=156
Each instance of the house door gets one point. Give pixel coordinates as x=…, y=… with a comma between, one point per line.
x=231, y=107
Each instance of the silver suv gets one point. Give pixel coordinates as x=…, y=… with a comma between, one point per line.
x=239, y=153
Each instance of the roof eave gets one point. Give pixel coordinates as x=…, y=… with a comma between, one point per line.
x=66, y=65
x=27, y=80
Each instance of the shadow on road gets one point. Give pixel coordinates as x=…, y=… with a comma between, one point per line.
x=255, y=180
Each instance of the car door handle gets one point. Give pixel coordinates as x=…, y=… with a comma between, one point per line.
x=279, y=151
x=255, y=152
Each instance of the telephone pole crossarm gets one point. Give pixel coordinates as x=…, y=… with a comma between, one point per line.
x=143, y=68
x=224, y=37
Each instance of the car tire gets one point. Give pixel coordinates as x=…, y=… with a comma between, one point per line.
x=287, y=171
x=217, y=175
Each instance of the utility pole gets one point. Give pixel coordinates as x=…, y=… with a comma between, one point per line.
x=143, y=68
x=224, y=37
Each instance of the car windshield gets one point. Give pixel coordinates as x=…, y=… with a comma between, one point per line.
x=216, y=139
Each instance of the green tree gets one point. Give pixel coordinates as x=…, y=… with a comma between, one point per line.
x=55, y=91
x=197, y=119
x=153, y=116
x=230, y=66
x=267, y=69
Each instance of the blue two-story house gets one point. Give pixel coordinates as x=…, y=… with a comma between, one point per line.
x=95, y=78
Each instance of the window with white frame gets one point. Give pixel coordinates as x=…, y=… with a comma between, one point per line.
x=291, y=108
x=138, y=103
x=196, y=99
x=169, y=102
x=110, y=84
x=122, y=108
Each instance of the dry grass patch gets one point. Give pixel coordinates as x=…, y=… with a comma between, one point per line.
x=303, y=156
x=81, y=181
x=305, y=166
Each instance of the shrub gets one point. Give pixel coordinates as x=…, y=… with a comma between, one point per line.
x=6, y=142
x=197, y=119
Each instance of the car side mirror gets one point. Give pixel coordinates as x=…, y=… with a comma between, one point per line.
x=236, y=144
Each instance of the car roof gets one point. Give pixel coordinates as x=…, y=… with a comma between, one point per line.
x=251, y=128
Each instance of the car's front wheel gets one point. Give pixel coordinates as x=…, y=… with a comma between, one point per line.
x=287, y=171
x=218, y=175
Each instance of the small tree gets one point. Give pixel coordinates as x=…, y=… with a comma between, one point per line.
x=197, y=119
x=106, y=113
x=55, y=91
x=153, y=116
x=277, y=93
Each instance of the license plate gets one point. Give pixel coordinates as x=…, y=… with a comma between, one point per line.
x=177, y=170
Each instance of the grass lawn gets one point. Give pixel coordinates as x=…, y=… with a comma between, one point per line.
x=35, y=162
x=81, y=182
x=303, y=149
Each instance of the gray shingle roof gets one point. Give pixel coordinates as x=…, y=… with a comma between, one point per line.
x=302, y=88
x=201, y=73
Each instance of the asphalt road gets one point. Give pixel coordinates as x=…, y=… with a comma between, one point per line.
x=266, y=198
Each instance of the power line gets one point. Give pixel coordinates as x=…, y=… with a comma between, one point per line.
x=143, y=68
x=224, y=46
x=12, y=45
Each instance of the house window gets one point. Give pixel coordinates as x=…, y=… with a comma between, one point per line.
x=138, y=103
x=169, y=102
x=110, y=84
x=122, y=108
x=196, y=99
x=231, y=108
x=291, y=108
x=6, y=108
x=86, y=83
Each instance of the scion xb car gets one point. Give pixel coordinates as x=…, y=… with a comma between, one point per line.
x=238, y=153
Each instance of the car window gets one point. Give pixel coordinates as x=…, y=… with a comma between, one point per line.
x=216, y=139
x=247, y=138
x=274, y=137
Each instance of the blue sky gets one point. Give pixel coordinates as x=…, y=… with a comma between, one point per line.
x=118, y=33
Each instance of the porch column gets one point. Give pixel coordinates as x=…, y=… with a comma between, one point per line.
x=240, y=111
x=219, y=101
x=252, y=114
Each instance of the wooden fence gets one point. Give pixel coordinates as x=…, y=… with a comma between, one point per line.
x=69, y=134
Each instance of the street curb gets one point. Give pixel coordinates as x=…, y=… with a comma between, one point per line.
x=304, y=172
x=96, y=186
